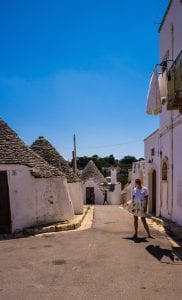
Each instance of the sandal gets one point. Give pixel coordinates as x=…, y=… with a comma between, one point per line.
x=150, y=237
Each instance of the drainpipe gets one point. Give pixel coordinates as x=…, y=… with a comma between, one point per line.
x=171, y=130
x=159, y=173
x=170, y=204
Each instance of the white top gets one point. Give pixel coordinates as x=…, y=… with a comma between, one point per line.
x=139, y=194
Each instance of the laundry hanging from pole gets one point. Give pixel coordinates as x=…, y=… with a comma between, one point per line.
x=154, y=105
x=163, y=85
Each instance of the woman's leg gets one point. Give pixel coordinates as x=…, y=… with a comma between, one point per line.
x=136, y=226
x=146, y=226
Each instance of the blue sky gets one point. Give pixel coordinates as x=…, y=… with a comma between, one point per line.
x=79, y=66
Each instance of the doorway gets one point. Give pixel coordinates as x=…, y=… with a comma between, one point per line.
x=90, y=195
x=5, y=215
x=154, y=192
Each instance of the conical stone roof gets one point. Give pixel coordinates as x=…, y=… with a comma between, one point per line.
x=92, y=172
x=44, y=148
x=14, y=151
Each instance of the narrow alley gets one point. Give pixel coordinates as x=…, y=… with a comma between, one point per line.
x=100, y=260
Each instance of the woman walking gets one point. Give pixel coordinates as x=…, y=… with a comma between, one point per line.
x=139, y=206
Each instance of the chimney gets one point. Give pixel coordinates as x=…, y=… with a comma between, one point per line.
x=113, y=175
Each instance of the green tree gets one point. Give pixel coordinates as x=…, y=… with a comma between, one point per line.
x=104, y=163
x=127, y=160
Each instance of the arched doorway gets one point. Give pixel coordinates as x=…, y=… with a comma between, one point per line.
x=154, y=192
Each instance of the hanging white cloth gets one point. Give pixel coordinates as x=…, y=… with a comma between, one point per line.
x=163, y=85
x=154, y=105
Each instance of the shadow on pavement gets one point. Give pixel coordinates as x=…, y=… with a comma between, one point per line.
x=178, y=251
x=163, y=255
x=136, y=239
x=10, y=236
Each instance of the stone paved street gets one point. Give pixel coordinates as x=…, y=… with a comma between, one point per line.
x=97, y=261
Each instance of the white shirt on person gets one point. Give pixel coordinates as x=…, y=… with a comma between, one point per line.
x=139, y=194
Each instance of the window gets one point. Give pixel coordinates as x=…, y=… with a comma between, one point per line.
x=152, y=151
x=164, y=171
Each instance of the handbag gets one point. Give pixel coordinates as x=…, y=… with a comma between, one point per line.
x=129, y=206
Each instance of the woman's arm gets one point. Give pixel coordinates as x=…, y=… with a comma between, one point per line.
x=146, y=203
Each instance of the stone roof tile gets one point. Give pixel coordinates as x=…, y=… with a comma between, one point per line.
x=14, y=151
x=44, y=148
x=92, y=172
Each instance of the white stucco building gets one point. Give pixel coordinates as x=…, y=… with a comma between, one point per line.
x=94, y=185
x=32, y=192
x=163, y=148
x=53, y=157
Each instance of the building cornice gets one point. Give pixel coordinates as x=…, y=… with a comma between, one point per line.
x=152, y=134
x=165, y=14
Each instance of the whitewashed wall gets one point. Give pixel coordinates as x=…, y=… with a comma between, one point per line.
x=113, y=175
x=99, y=197
x=115, y=196
x=76, y=194
x=168, y=147
x=152, y=163
x=174, y=17
x=166, y=155
x=126, y=194
x=171, y=136
x=177, y=175
x=138, y=171
x=36, y=201
x=53, y=200
x=22, y=200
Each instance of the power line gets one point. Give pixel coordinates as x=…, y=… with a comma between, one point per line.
x=83, y=148
x=114, y=145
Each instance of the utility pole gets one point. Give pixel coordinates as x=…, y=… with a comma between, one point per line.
x=74, y=156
